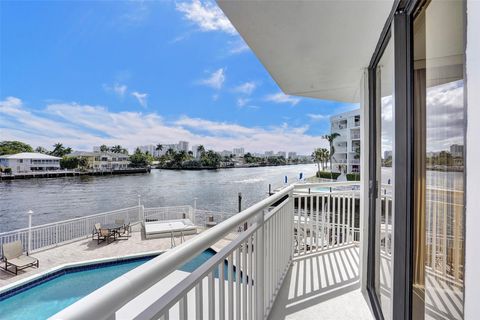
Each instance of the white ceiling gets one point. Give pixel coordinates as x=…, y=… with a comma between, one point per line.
x=312, y=48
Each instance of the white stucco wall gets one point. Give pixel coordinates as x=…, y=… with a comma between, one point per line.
x=472, y=245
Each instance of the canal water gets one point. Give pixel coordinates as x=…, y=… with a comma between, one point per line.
x=55, y=199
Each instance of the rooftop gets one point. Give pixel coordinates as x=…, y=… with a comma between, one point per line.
x=29, y=155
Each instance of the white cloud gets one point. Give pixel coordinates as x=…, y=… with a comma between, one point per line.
x=241, y=102
x=117, y=88
x=238, y=46
x=84, y=126
x=318, y=117
x=282, y=98
x=206, y=15
x=215, y=80
x=141, y=98
x=246, y=88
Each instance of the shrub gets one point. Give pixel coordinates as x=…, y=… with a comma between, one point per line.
x=327, y=175
x=353, y=176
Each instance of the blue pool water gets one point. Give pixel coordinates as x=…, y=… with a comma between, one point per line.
x=48, y=298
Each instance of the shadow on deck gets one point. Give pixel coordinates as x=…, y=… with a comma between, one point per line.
x=322, y=285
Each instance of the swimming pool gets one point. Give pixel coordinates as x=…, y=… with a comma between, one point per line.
x=48, y=296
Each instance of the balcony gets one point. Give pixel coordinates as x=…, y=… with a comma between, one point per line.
x=295, y=254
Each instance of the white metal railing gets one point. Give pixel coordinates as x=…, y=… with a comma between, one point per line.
x=258, y=259
x=241, y=280
x=326, y=220
x=49, y=235
x=52, y=234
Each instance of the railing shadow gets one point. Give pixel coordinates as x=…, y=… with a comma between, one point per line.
x=316, y=278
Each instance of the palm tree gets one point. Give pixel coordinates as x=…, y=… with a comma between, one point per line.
x=320, y=156
x=200, y=149
x=330, y=138
x=104, y=148
x=159, y=147
x=59, y=150
x=116, y=149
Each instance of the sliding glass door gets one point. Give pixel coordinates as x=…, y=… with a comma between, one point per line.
x=417, y=156
x=439, y=171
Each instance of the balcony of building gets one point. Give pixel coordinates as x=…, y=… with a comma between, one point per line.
x=292, y=255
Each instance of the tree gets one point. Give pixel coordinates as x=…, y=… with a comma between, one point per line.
x=210, y=159
x=330, y=138
x=42, y=150
x=320, y=156
x=159, y=147
x=59, y=150
x=140, y=159
x=117, y=149
x=200, y=150
x=12, y=147
x=104, y=148
x=69, y=162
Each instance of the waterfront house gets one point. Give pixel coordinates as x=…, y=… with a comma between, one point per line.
x=104, y=161
x=409, y=250
x=26, y=162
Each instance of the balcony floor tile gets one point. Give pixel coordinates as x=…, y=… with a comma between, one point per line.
x=322, y=285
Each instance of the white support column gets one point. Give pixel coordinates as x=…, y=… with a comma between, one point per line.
x=364, y=183
x=472, y=221
x=139, y=208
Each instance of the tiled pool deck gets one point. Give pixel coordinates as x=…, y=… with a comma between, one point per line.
x=88, y=249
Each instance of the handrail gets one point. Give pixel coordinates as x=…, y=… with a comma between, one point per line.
x=104, y=302
x=51, y=224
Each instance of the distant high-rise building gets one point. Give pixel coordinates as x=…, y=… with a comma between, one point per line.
x=387, y=154
x=238, y=152
x=282, y=154
x=456, y=150
x=292, y=155
x=150, y=148
x=226, y=153
x=269, y=153
x=183, y=146
x=195, y=152
x=347, y=144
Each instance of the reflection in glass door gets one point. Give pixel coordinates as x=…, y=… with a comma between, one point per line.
x=439, y=172
x=385, y=165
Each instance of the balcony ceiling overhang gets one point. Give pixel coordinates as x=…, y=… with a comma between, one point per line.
x=314, y=49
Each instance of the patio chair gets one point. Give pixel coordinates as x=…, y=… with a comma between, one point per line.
x=13, y=256
x=125, y=230
x=105, y=235
x=96, y=230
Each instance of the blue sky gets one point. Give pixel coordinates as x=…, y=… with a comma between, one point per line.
x=134, y=73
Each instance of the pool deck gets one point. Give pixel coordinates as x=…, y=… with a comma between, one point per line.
x=88, y=249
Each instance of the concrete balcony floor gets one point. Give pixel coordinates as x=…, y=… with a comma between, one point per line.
x=323, y=285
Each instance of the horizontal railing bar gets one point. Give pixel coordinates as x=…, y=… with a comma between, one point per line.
x=166, y=301
x=104, y=302
x=70, y=220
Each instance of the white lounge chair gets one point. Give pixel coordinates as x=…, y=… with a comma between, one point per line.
x=13, y=256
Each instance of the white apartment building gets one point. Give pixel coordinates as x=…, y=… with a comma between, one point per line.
x=183, y=146
x=238, y=152
x=29, y=161
x=347, y=144
x=150, y=148
x=282, y=154
x=292, y=155
x=269, y=153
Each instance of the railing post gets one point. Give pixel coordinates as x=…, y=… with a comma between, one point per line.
x=139, y=208
x=194, y=210
x=29, y=245
x=260, y=268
